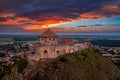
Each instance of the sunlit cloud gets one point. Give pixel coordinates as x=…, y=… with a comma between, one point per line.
x=35, y=27
x=7, y=14
x=111, y=8
x=15, y=21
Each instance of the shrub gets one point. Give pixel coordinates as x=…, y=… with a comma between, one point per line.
x=63, y=59
x=22, y=64
x=84, y=54
x=2, y=55
x=5, y=71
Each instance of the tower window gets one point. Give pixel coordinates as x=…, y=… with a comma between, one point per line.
x=57, y=51
x=45, y=51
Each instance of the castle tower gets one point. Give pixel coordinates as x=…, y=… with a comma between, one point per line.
x=48, y=38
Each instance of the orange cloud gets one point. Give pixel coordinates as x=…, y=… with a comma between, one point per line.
x=16, y=21
x=7, y=14
x=35, y=27
x=47, y=22
x=10, y=22
x=31, y=27
x=91, y=15
x=111, y=8
x=52, y=22
x=100, y=13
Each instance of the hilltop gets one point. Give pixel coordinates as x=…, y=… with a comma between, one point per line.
x=88, y=64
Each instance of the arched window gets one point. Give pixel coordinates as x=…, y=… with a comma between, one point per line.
x=57, y=51
x=45, y=52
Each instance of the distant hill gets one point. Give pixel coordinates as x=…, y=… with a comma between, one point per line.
x=9, y=39
x=107, y=43
x=88, y=64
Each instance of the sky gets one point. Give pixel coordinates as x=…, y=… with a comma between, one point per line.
x=32, y=16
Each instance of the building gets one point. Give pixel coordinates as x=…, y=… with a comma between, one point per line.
x=50, y=46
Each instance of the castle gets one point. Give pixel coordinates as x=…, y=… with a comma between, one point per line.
x=50, y=46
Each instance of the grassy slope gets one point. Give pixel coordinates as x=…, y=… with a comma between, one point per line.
x=85, y=65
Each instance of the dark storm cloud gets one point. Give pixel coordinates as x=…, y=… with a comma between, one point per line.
x=51, y=6
x=63, y=8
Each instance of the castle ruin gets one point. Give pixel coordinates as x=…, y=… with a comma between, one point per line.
x=50, y=46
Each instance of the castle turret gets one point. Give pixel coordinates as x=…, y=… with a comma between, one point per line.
x=48, y=38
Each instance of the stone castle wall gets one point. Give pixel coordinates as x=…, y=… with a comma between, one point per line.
x=54, y=51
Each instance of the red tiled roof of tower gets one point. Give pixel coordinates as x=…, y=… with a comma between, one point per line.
x=48, y=33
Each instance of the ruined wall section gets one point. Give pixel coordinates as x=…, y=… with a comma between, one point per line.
x=54, y=51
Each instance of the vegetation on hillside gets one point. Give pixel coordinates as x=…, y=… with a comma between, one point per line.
x=88, y=64
x=116, y=61
x=19, y=67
